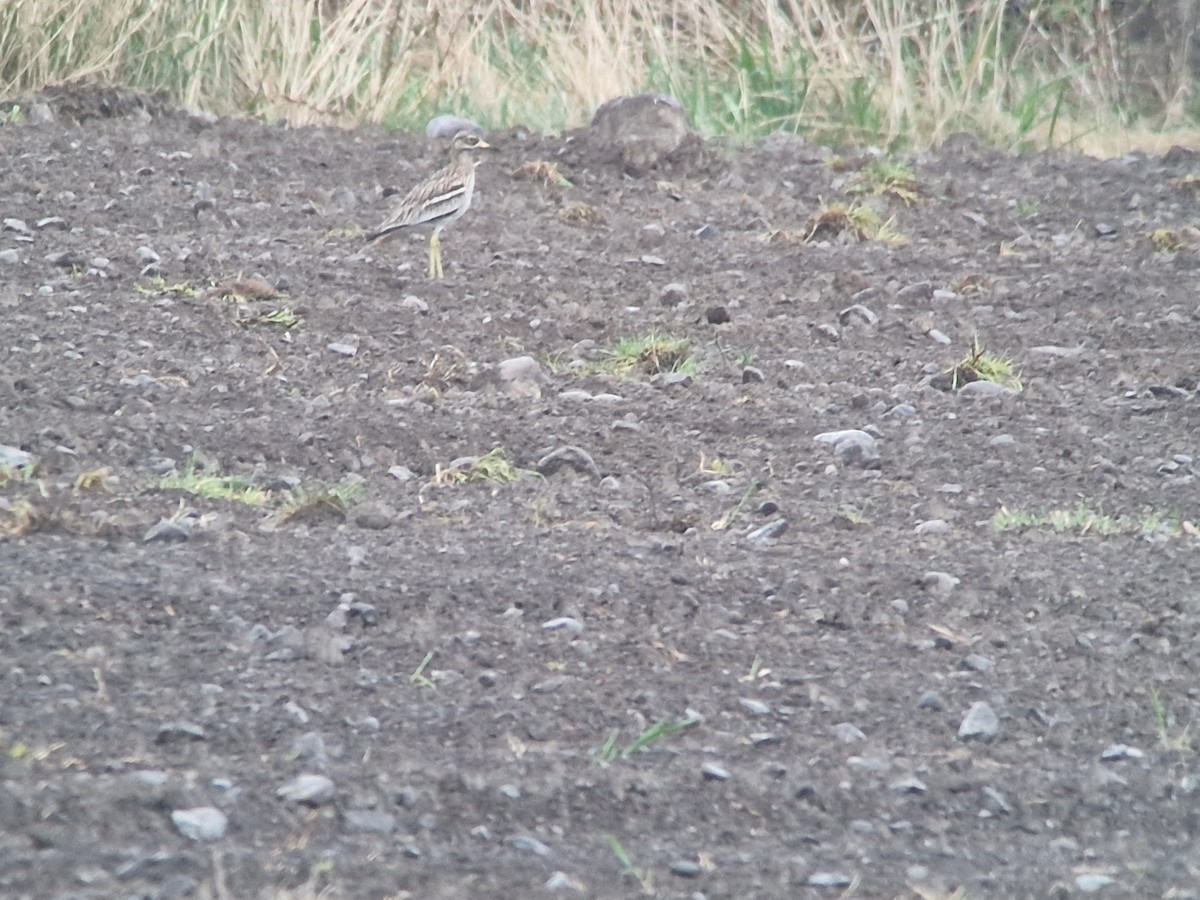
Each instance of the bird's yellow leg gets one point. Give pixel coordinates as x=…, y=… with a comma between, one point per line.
x=435, y=254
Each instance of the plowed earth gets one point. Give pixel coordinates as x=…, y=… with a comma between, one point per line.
x=457, y=657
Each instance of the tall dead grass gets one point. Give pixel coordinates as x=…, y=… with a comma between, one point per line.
x=870, y=70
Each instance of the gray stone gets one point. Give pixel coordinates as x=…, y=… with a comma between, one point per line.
x=445, y=127
x=848, y=733
x=369, y=821
x=203, y=823
x=573, y=457
x=980, y=722
x=768, y=532
x=985, y=389
x=308, y=789
x=166, y=530
x=714, y=772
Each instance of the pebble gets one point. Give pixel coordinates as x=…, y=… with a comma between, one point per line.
x=177, y=732
x=371, y=821
x=565, y=623
x=529, y=844
x=980, y=722
x=414, y=304
x=342, y=349
x=714, y=772
x=311, y=790
x=685, y=868
x=910, y=785
x=707, y=232
x=941, y=583
x=977, y=662
x=755, y=706
x=921, y=290
x=858, y=312
x=561, y=881
x=985, y=389
x=1090, y=882
x=16, y=225
x=932, y=526
x=203, y=823
x=767, y=532
x=829, y=879
x=1120, y=751
x=15, y=457
x=848, y=733
x=9, y=256
x=166, y=530
x=852, y=446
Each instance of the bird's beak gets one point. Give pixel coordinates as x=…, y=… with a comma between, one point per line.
x=484, y=145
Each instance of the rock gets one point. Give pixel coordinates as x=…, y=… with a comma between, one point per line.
x=931, y=700
x=714, y=772
x=852, y=447
x=574, y=457
x=932, y=526
x=707, y=232
x=829, y=879
x=177, y=732
x=529, y=844
x=940, y=583
x=985, y=389
x=1091, y=882
x=9, y=256
x=15, y=457
x=980, y=722
x=566, y=623
x=640, y=131
x=309, y=790
x=848, y=733
x=755, y=706
x=342, y=349
x=768, y=532
x=369, y=821
x=717, y=315
x=166, y=530
x=445, y=127
x=203, y=823
x=672, y=294
x=859, y=313
x=685, y=868
x=651, y=236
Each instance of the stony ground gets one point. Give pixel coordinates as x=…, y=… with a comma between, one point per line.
x=696, y=651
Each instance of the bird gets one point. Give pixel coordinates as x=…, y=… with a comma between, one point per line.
x=438, y=201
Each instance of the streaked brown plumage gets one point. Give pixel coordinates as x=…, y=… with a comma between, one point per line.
x=438, y=201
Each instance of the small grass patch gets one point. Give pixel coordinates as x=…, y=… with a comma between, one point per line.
x=612, y=750
x=1084, y=521
x=494, y=467
x=850, y=222
x=543, y=173
x=980, y=365
x=650, y=354
x=309, y=502
x=212, y=486
x=886, y=178
x=159, y=287
x=642, y=876
x=1171, y=736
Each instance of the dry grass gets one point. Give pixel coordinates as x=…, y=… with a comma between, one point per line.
x=875, y=70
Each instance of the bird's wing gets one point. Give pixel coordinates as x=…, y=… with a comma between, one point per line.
x=431, y=201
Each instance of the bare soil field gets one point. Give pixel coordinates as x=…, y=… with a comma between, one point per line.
x=699, y=648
